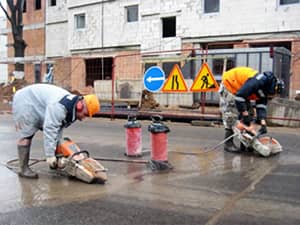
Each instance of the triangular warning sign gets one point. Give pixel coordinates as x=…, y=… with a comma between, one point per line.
x=175, y=81
x=205, y=80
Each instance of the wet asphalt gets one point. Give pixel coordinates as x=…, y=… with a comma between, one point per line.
x=205, y=187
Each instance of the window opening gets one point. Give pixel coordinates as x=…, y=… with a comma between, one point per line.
x=132, y=13
x=52, y=2
x=148, y=65
x=218, y=65
x=37, y=73
x=169, y=27
x=80, y=21
x=211, y=6
x=38, y=4
x=94, y=70
x=286, y=2
x=24, y=7
x=168, y=66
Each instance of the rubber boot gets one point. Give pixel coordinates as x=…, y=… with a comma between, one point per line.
x=25, y=171
x=229, y=146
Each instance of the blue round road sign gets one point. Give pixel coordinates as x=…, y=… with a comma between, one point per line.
x=154, y=78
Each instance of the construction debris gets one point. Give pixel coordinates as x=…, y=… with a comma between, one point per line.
x=148, y=101
x=7, y=90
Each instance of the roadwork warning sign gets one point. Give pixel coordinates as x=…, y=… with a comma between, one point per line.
x=204, y=81
x=175, y=81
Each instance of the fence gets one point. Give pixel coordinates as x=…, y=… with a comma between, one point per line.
x=118, y=81
x=129, y=70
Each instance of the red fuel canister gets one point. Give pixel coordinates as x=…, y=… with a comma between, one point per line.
x=133, y=137
x=159, y=144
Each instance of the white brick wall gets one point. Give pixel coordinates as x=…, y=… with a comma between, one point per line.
x=79, y=3
x=57, y=13
x=234, y=18
x=240, y=17
x=57, y=40
x=151, y=32
x=57, y=33
x=116, y=31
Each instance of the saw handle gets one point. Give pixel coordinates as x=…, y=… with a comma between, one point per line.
x=249, y=129
x=78, y=153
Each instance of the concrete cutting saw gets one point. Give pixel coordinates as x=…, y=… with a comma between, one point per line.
x=263, y=145
x=77, y=163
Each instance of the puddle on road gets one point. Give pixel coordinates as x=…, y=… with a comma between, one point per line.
x=136, y=171
x=51, y=188
x=204, y=161
x=194, y=160
x=54, y=188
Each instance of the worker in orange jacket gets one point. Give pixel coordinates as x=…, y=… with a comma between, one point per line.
x=242, y=90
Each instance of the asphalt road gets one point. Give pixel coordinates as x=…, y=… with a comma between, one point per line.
x=213, y=187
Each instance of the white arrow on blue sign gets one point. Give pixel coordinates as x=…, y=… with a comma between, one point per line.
x=154, y=78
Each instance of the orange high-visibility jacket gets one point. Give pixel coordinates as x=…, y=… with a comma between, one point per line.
x=235, y=78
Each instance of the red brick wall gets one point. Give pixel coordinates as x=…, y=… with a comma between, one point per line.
x=78, y=74
x=34, y=16
x=62, y=73
x=34, y=38
x=128, y=66
x=295, y=68
x=29, y=73
x=241, y=45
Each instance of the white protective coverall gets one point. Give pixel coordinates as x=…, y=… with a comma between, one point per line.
x=37, y=107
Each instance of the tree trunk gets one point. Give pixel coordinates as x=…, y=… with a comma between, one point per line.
x=19, y=46
x=15, y=17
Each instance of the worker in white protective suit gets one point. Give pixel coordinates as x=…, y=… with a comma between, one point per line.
x=47, y=108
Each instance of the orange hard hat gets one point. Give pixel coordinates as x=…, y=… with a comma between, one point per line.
x=92, y=104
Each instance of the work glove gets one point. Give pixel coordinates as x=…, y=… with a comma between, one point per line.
x=262, y=130
x=246, y=120
x=52, y=162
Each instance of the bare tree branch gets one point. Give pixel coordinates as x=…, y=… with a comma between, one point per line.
x=5, y=12
x=10, y=3
x=19, y=7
